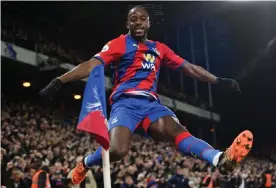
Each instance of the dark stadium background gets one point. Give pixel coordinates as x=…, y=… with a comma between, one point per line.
x=237, y=32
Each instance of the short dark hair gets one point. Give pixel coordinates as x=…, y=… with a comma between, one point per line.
x=137, y=6
x=16, y=169
x=36, y=163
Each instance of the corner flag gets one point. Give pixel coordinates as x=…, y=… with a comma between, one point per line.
x=93, y=114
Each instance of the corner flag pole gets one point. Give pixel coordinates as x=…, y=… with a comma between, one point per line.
x=106, y=168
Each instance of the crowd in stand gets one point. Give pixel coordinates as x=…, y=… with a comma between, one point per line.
x=29, y=131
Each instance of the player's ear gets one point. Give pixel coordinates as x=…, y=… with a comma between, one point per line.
x=149, y=22
x=127, y=26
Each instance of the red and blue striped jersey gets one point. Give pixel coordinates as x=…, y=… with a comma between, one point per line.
x=136, y=65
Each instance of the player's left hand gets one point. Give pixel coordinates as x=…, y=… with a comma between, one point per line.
x=227, y=83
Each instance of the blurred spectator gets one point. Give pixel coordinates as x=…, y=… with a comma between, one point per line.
x=32, y=141
x=40, y=177
x=266, y=181
x=178, y=180
x=16, y=179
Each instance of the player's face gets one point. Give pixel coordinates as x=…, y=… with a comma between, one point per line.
x=138, y=23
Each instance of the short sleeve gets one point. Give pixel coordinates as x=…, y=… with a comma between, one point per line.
x=170, y=59
x=112, y=51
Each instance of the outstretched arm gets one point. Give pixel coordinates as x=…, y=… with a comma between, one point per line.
x=199, y=73
x=175, y=62
x=80, y=72
x=203, y=75
x=111, y=52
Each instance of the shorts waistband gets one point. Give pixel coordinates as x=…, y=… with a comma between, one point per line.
x=128, y=96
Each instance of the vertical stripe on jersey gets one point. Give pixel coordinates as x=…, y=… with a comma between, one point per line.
x=158, y=67
x=132, y=47
x=147, y=83
x=122, y=68
x=115, y=77
x=126, y=69
x=154, y=86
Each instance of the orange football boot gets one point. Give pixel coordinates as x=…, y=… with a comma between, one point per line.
x=236, y=153
x=79, y=173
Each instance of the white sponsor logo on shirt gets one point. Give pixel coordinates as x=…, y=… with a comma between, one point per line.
x=115, y=120
x=149, y=64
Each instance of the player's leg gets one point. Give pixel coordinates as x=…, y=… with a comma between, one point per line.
x=120, y=139
x=167, y=128
x=122, y=123
x=163, y=125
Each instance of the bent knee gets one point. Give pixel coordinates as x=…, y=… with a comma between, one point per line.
x=174, y=127
x=117, y=153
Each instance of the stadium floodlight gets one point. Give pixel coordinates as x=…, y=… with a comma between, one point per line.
x=77, y=97
x=26, y=84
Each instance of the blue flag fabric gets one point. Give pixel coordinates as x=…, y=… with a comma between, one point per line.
x=93, y=113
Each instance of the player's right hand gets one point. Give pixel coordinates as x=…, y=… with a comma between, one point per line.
x=229, y=84
x=51, y=89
